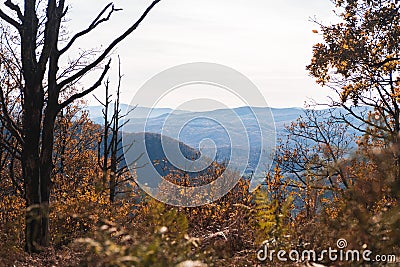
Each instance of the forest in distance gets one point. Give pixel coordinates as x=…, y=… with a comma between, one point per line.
x=119, y=184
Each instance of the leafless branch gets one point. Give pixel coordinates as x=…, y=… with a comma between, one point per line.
x=108, y=49
x=87, y=91
x=96, y=22
x=10, y=20
x=16, y=8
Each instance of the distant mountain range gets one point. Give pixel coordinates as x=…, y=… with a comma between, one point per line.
x=157, y=116
x=216, y=133
x=225, y=130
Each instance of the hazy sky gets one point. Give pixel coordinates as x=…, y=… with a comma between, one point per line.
x=268, y=41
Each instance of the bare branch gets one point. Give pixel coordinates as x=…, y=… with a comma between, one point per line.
x=10, y=20
x=11, y=126
x=109, y=48
x=98, y=100
x=87, y=91
x=96, y=22
x=16, y=8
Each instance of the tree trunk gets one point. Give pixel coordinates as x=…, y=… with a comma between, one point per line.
x=113, y=173
x=37, y=211
x=37, y=170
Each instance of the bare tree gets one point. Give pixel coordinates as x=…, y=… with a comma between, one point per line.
x=40, y=57
x=103, y=156
x=314, y=154
x=111, y=161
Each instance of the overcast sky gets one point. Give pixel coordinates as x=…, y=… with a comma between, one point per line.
x=268, y=41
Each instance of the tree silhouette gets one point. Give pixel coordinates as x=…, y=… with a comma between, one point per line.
x=38, y=35
x=110, y=157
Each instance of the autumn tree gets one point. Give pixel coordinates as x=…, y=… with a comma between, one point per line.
x=77, y=200
x=313, y=156
x=10, y=106
x=40, y=53
x=359, y=58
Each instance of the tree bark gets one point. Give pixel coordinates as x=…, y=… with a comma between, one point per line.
x=31, y=167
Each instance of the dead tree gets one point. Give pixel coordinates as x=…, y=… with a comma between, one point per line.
x=103, y=142
x=40, y=56
x=111, y=160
